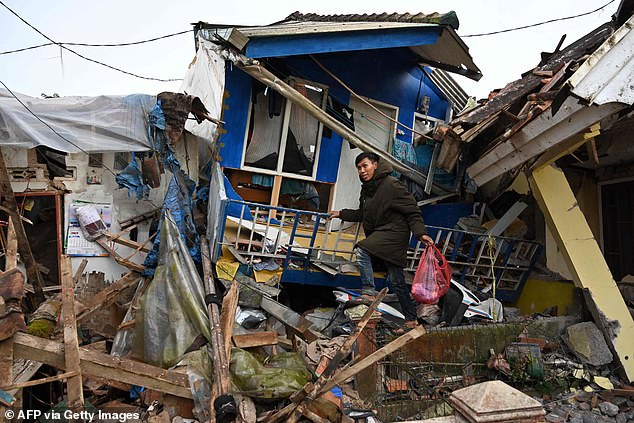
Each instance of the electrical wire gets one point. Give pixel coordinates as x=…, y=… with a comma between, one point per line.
x=81, y=55
x=133, y=43
x=539, y=23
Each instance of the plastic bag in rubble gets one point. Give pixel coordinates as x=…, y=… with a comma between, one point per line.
x=199, y=368
x=90, y=222
x=432, y=278
x=172, y=311
x=283, y=374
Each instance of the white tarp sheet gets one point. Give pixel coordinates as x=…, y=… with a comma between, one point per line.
x=205, y=79
x=96, y=124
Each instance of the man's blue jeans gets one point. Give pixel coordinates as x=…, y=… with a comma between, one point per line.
x=397, y=283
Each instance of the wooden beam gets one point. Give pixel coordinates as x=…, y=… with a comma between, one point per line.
x=293, y=412
x=103, y=366
x=221, y=377
x=71, y=344
x=567, y=146
x=373, y=358
x=80, y=271
x=11, y=255
x=108, y=295
x=275, y=194
x=585, y=261
x=117, y=257
x=118, y=239
x=537, y=136
x=255, y=339
x=33, y=275
x=42, y=381
x=228, y=315
x=259, y=72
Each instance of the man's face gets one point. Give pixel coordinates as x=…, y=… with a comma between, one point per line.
x=366, y=169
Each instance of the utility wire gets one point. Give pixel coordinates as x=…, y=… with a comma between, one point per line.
x=539, y=23
x=133, y=43
x=49, y=126
x=82, y=56
x=63, y=137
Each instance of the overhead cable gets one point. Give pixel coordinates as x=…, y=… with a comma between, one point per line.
x=132, y=43
x=539, y=23
x=82, y=56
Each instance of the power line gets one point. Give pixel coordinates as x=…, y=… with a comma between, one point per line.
x=49, y=126
x=82, y=56
x=133, y=43
x=61, y=136
x=25, y=48
x=539, y=23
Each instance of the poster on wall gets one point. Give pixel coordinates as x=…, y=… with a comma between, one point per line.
x=76, y=244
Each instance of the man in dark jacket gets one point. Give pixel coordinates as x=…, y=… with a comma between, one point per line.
x=389, y=213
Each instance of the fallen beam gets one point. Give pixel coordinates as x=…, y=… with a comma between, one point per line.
x=221, y=388
x=255, y=339
x=373, y=358
x=258, y=72
x=71, y=343
x=103, y=366
x=108, y=295
x=585, y=261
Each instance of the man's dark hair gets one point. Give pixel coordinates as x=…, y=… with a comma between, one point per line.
x=373, y=157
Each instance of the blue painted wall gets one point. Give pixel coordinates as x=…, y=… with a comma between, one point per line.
x=235, y=113
x=388, y=75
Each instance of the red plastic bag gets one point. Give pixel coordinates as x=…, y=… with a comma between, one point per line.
x=432, y=278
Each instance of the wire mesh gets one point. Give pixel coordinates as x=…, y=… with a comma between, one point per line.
x=415, y=381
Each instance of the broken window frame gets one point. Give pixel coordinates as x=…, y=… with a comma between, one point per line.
x=284, y=136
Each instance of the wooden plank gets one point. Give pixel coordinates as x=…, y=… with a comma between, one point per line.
x=118, y=239
x=228, y=315
x=275, y=194
x=591, y=146
x=507, y=219
x=292, y=320
x=293, y=412
x=221, y=377
x=42, y=381
x=117, y=257
x=103, y=366
x=373, y=358
x=108, y=295
x=537, y=136
x=33, y=275
x=71, y=343
x=80, y=271
x=11, y=254
x=255, y=339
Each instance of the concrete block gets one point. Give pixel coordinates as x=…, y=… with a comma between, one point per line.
x=495, y=401
x=588, y=343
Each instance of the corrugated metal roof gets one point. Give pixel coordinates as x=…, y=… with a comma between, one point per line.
x=449, y=18
x=450, y=88
x=606, y=76
x=449, y=52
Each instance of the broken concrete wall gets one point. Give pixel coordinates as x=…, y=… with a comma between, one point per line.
x=124, y=206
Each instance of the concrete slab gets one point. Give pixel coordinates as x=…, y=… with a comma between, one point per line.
x=495, y=401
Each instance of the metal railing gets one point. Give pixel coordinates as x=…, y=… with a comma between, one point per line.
x=259, y=235
x=479, y=260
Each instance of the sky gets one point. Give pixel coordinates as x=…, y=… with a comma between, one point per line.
x=502, y=58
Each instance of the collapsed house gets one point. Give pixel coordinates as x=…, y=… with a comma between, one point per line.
x=223, y=218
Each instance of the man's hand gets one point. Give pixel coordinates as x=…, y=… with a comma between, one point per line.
x=333, y=214
x=426, y=239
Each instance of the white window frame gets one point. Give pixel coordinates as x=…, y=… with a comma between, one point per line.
x=282, y=146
